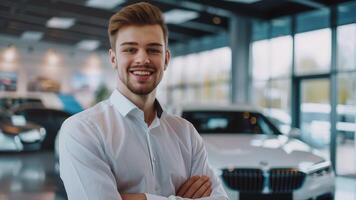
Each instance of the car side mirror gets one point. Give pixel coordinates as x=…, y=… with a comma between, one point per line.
x=294, y=132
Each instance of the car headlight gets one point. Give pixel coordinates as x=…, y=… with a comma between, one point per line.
x=31, y=136
x=320, y=169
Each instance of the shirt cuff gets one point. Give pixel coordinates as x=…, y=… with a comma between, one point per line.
x=155, y=197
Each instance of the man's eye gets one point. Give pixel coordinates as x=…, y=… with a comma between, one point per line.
x=130, y=50
x=154, y=51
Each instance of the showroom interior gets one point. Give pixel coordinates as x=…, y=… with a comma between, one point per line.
x=294, y=61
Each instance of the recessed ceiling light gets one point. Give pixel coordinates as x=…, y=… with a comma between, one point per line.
x=88, y=45
x=107, y=4
x=177, y=16
x=10, y=54
x=216, y=20
x=32, y=35
x=60, y=22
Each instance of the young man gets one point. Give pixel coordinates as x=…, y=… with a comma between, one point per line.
x=127, y=147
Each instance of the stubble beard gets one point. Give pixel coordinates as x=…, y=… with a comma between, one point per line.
x=141, y=91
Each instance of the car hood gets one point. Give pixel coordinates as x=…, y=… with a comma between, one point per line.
x=258, y=151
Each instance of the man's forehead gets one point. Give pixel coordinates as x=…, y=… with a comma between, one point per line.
x=145, y=34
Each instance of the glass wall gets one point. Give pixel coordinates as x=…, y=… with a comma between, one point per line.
x=271, y=61
x=198, y=78
x=346, y=125
x=273, y=72
x=313, y=52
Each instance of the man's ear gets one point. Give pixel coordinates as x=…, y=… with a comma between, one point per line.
x=167, y=59
x=113, y=59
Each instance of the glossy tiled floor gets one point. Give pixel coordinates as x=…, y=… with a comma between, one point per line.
x=32, y=176
x=29, y=176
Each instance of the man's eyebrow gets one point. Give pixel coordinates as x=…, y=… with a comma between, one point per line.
x=155, y=44
x=128, y=43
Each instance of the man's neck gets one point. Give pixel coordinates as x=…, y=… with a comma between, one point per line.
x=144, y=102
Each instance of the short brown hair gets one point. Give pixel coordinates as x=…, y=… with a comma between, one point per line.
x=136, y=14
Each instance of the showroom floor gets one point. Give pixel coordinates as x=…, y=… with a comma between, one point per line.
x=32, y=176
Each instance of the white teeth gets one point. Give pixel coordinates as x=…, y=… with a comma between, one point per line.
x=141, y=73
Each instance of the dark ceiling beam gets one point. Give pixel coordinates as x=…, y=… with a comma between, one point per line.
x=201, y=26
x=186, y=31
x=46, y=8
x=206, y=26
x=39, y=23
x=178, y=36
x=21, y=26
x=287, y=9
x=195, y=6
x=312, y=4
x=239, y=9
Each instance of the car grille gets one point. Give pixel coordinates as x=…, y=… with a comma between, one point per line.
x=285, y=180
x=253, y=180
x=249, y=180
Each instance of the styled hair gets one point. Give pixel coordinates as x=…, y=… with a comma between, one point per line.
x=136, y=14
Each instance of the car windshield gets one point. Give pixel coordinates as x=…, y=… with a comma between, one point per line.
x=234, y=122
x=8, y=102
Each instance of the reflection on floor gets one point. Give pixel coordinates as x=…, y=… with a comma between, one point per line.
x=32, y=176
x=346, y=151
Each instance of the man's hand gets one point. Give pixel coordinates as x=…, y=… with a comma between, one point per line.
x=133, y=196
x=195, y=187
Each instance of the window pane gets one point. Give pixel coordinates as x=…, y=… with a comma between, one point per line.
x=260, y=60
x=259, y=93
x=278, y=110
x=346, y=13
x=281, y=56
x=346, y=44
x=280, y=27
x=199, y=77
x=313, y=52
x=346, y=125
x=260, y=30
x=315, y=113
x=279, y=95
x=313, y=20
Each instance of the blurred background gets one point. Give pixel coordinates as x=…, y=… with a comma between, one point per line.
x=294, y=59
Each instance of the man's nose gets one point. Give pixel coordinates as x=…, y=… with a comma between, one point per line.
x=142, y=58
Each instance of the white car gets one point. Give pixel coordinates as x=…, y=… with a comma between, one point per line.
x=255, y=160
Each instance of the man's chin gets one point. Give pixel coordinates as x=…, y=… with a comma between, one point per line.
x=141, y=91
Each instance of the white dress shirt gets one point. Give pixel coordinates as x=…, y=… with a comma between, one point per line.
x=109, y=149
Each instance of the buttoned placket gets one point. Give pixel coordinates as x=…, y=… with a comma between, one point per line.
x=147, y=131
x=151, y=154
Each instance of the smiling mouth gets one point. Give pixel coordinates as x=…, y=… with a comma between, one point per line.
x=142, y=73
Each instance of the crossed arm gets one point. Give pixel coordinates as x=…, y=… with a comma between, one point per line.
x=195, y=187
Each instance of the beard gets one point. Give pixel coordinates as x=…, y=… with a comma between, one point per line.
x=140, y=88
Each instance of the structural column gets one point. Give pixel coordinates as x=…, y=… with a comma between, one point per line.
x=240, y=38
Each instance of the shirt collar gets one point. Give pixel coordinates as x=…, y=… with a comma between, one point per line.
x=125, y=106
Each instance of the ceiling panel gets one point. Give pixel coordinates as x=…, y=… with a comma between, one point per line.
x=18, y=16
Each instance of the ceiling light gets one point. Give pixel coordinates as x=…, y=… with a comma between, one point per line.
x=52, y=58
x=216, y=20
x=10, y=54
x=88, y=45
x=177, y=16
x=60, y=22
x=32, y=35
x=107, y=4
